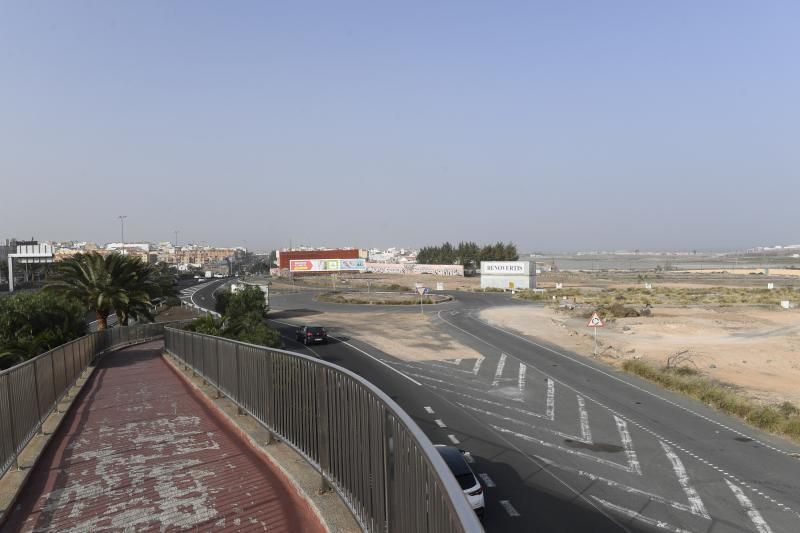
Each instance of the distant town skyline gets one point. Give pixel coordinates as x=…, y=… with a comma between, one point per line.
x=558, y=126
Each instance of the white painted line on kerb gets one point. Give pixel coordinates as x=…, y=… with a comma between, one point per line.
x=412, y=380
x=440, y=423
x=453, y=439
x=477, y=366
x=509, y=508
x=428, y=410
x=752, y=513
x=522, y=369
x=489, y=482
x=499, y=371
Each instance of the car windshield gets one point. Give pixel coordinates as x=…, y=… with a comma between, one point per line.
x=315, y=330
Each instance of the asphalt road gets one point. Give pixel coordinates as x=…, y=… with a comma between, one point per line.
x=563, y=443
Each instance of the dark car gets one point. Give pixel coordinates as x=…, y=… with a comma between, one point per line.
x=464, y=475
x=312, y=335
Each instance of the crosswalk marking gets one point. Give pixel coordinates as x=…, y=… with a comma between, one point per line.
x=499, y=371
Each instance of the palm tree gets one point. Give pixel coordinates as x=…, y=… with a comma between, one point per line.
x=114, y=282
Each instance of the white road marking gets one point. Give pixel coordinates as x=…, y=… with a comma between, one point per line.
x=489, y=482
x=428, y=410
x=520, y=422
x=752, y=513
x=551, y=399
x=412, y=380
x=499, y=371
x=468, y=457
x=695, y=502
x=440, y=423
x=583, y=417
x=627, y=443
x=521, y=383
x=636, y=516
x=618, y=485
x=452, y=361
x=453, y=439
x=477, y=366
x=509, y=508
x=630, y=467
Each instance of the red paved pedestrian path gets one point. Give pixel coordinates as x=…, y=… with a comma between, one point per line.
x=140, y=451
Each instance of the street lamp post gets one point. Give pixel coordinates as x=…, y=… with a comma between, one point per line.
x=122, y=230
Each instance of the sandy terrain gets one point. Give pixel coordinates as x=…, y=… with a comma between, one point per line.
x=738, y=271
x=407, y=336
x=753, y=348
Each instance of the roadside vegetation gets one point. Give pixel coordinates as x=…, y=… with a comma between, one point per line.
x=380, y=298
x=782, y=419
x=32, y=323
x=723, y=296
x=467, y=254
x=243, y=319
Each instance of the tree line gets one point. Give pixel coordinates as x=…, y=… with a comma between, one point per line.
x=468, y=254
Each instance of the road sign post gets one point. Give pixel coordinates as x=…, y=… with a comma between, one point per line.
x=421, y=291
x=595, y=322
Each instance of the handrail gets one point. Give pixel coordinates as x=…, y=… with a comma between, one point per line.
x=363, y=444
x=30, y=391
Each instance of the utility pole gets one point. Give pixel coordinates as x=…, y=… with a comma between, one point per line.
x=122, y=230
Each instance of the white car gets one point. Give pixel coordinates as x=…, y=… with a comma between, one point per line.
x=464, y=475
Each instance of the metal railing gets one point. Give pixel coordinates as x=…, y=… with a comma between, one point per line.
x=30, y=391
x=363, y=444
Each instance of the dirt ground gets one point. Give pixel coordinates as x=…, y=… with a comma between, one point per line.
x=407, y=336
x=451, y=283
x=753, y=348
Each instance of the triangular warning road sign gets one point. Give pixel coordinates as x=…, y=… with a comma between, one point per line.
x=596, y=321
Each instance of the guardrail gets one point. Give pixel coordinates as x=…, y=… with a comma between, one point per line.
x=363, y=444
x=30, y=391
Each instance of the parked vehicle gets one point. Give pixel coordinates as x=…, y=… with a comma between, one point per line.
x=312, y=335
x=464, y=475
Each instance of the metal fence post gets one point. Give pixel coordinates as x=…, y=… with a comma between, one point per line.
x=389, y=472
x=219, y=369
x=323, y=431
x=239, y=409
x=11, y=422
x=36, y=386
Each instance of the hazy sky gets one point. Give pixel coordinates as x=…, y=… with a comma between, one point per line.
x=558, y=125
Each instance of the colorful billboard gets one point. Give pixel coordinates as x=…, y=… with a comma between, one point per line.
x=326, y=265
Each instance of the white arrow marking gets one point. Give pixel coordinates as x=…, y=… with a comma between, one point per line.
x=695, y=502
x=521, y=383
x=752, y=513
x=499, y=371
x=633, y=514
x=477, y=366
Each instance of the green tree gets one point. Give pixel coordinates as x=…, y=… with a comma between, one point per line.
x=102, y=284
x=32, y=323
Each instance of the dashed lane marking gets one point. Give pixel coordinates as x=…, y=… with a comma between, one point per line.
x=440, y=423
x=453, y=439
x=509, y=508
x=489, y=482
x=428, y=410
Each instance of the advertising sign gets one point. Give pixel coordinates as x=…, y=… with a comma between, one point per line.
x=504, y=268
x=326, y=265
